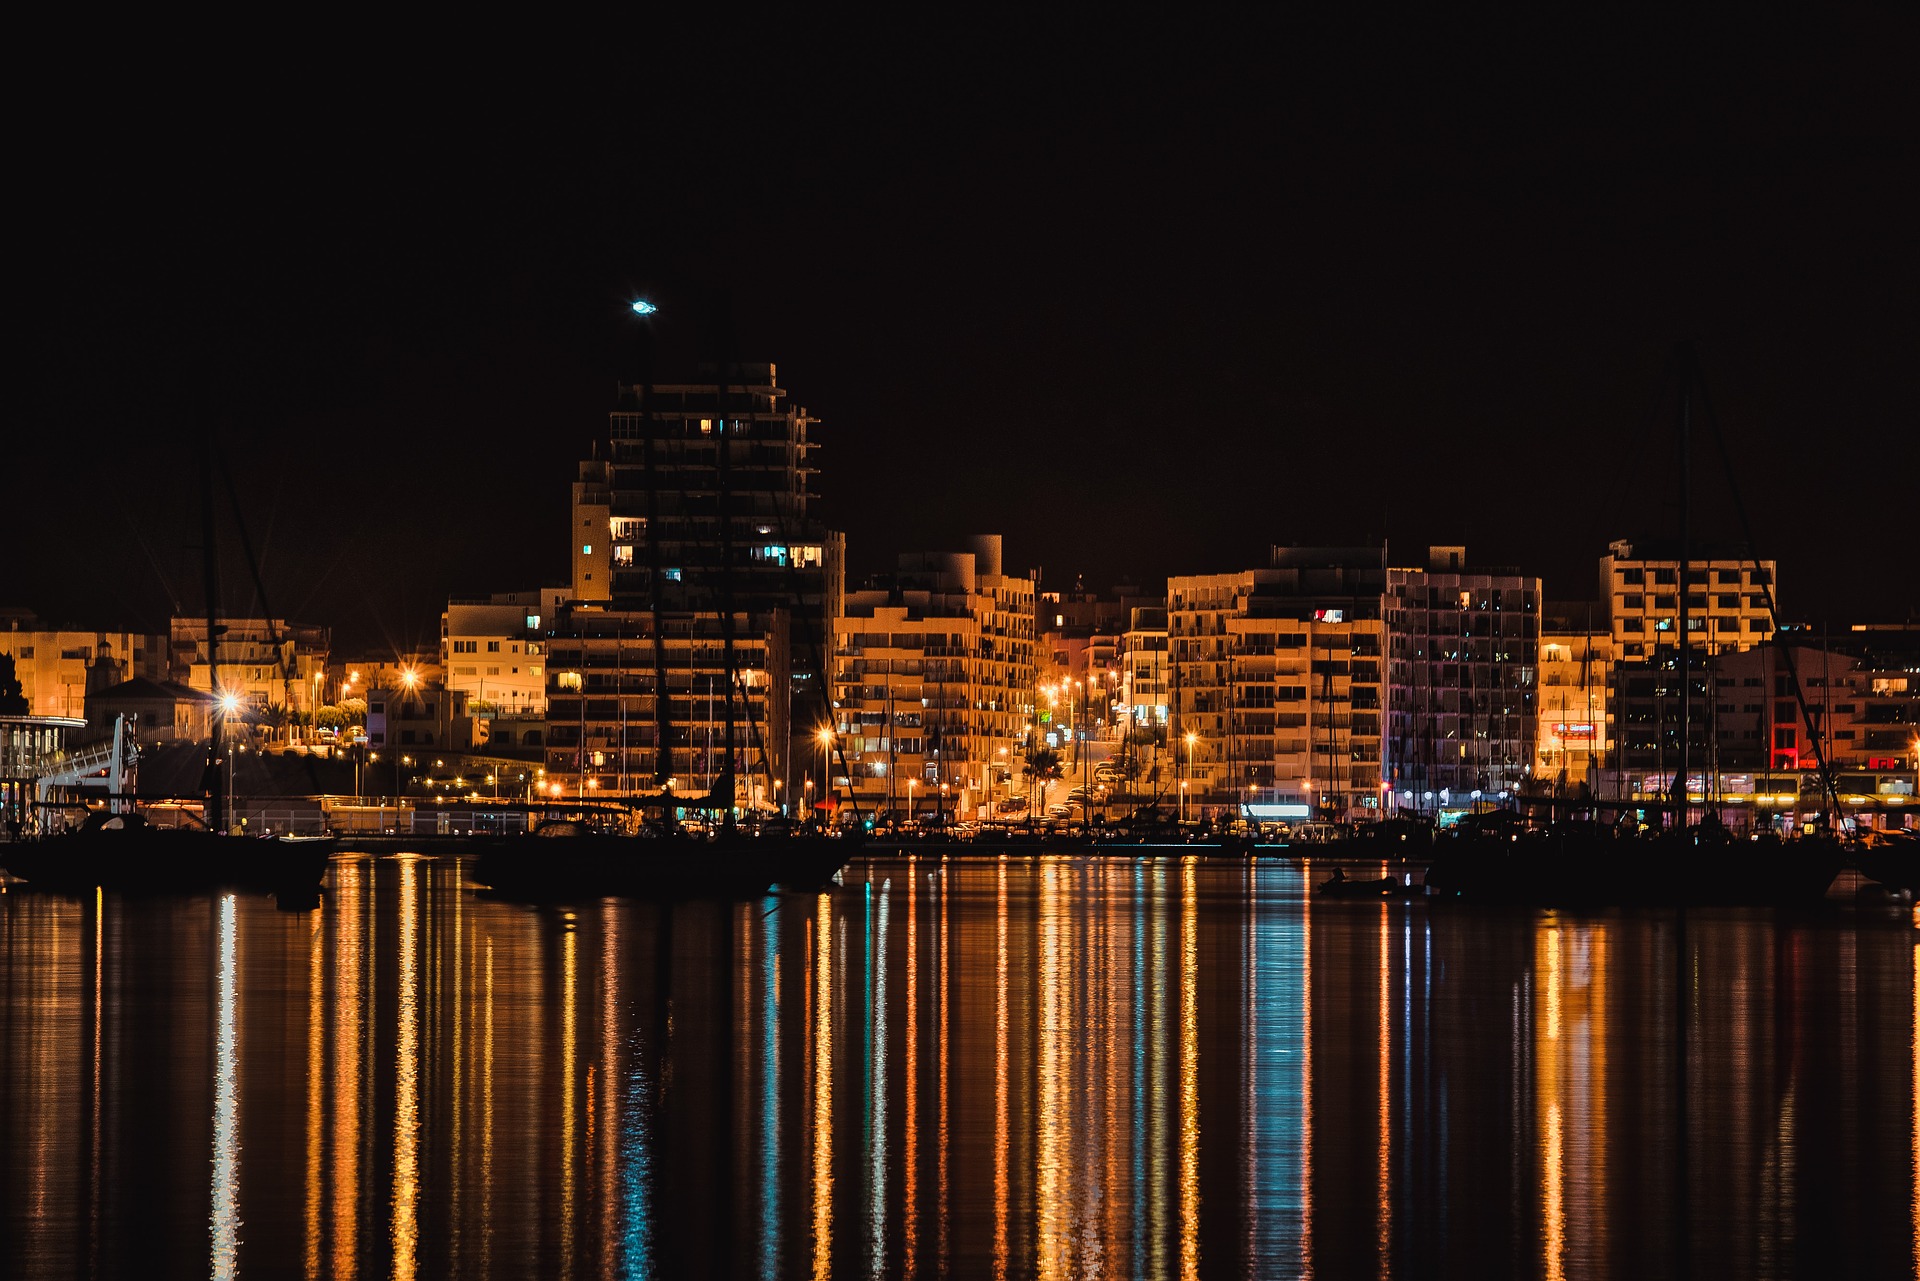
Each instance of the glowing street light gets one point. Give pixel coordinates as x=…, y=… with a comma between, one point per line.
x=641, y=307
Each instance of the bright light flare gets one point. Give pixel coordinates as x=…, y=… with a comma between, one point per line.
x=641, y=307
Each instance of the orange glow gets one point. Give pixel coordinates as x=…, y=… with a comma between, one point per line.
x=1189, y=1072
x=1000, y=1102
x=910, y=1122
x=823, y=1091
x=1382, y=1089
x=349, y=962
x=406, y=1086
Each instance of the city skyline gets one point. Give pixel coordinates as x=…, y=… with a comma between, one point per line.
x=1147, y=313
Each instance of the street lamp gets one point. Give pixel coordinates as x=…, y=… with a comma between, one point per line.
x=824, y=736
x=229, y=703
x=1192, y=738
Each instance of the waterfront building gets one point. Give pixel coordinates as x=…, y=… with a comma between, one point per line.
x=31, y=747
x=1726, y=598
x=934, y=684
x=266, y=663
x=1276, y=684
x=1145, y=678
x=1576, y=683
x=691, y=534
x=1464, y=654
x=493, y=650
x=161, y=711
x=59, y=666
x=1762, y=721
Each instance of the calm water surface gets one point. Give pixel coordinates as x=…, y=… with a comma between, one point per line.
x=1038, y=1067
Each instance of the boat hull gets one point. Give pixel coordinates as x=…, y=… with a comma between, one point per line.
x=1665, y=869
x=162, y=859
x=600, y=865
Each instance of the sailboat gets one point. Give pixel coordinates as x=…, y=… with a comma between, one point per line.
x=1497, y=858
x=118, y=848
x=566, y=858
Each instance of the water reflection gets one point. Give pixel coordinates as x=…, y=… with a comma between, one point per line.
x=225, y=1195
x=1011, y=1067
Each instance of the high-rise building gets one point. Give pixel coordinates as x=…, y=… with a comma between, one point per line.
x=1276, y=683
x=1726, y=598
x=934, y=681
x=1464, y=655
x=691, y=538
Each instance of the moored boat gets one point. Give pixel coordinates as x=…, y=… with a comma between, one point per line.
x=126, y=852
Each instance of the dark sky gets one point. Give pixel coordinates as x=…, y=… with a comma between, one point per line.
x=1146, y=300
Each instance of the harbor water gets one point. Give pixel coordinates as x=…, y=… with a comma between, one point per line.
x=1045, y=1066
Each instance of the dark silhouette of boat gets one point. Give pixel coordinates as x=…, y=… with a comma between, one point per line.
x=1497, y=858
x=125, y=852
x=567, y=858
x=1340, y=885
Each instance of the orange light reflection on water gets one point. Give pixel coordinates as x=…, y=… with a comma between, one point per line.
x=406, y=1085
x=1189, y=1072
x=823, y=1091
x=350, y=1017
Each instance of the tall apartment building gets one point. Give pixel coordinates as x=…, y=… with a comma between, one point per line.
x=57, y=667
x=1276, y=682
x=1726, y=598
x=1463, y=662
x=1146, y=680
x=1726, y=603
x=691, y=533
x=934, y=680
x=1576, y=682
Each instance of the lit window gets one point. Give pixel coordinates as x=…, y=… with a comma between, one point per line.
x=673, y=575
x=586, y=549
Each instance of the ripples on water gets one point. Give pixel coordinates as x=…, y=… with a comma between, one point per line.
x=1039, y=1067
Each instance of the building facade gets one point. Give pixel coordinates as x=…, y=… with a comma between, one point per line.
x=934, y=677
x=1576, y=679
x=1464, y=654
x=692, y=538
x=493, y=650
x=58, y=667
x=1276, y=683
x=1727, y=598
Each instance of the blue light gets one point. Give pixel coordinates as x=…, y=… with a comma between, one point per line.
x=641, y=307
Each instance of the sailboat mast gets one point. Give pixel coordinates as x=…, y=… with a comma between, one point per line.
x=1681, y=775
x=210, y=565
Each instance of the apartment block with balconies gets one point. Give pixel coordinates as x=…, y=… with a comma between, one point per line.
x=1276, y=682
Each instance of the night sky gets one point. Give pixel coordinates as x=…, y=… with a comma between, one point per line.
x=1145, y=300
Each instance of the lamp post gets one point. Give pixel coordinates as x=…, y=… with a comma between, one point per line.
x=228, y=705
x=824, y=736
x=1192, y=738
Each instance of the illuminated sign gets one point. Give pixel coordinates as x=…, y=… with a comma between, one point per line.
x=1575, y=729
x=1329, y=615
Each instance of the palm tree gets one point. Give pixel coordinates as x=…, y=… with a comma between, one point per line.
x=1042, y=763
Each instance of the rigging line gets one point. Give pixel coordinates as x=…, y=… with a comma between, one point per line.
x=320, y=581
x=1829, y=786
x=1648, y=421
x=158, y=570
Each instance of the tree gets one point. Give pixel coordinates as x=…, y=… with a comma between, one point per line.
x=355, y=710
x=13, y=700
x=330, y=717
x=1042, y=763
